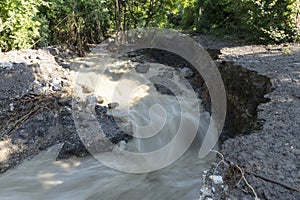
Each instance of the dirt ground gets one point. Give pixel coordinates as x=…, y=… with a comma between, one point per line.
x=269, y=157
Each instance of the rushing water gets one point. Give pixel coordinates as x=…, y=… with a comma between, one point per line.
x=44, y=178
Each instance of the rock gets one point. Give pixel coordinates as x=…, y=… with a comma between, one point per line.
x=87, y=89
x=78, y=65
x=214, y=53
x=37, y=88
x=100, y=110
x=65, y=101
x=65, y=83
x=118, y=115
x=216, y=179
x=6, y=65
x=131, y=54
x=54, y=51
x=65, y=65
x=186, y=72
x=58, y=60
x=55, y=81
x=66, y=110
x=142, y=68
x=11, y=107
x=100, y=99
x=113, y=105
x=57, y=87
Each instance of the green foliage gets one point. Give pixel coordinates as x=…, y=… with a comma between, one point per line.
x=143, y=13
x=19, y=23
x=73, y=20
x=92, y=20
x=25, y=23
x=287, y=51
x=76, y=22
x=184, y=14
x=258, y=20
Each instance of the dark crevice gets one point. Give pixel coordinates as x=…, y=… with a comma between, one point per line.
x=245, y=91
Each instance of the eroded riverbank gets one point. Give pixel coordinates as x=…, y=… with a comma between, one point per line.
x=268, y=145
x=270, y=153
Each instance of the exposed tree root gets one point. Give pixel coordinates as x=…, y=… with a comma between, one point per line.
x=237, y=171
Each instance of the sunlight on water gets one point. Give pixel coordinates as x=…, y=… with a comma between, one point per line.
x=45, y=178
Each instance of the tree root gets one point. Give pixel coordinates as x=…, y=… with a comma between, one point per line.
x=234, y=169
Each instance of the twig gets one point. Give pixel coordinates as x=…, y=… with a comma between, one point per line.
x=250, y=172
x=221, y=161
x=236, y=166
x=244, y=178
x=18, y=122
x=45, y=107
x=273, y=181
x=35, y=105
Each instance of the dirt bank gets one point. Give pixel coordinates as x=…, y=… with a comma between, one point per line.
x=36, y=106
x=268, y=154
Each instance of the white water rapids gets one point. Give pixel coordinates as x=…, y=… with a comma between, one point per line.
x=81, y=179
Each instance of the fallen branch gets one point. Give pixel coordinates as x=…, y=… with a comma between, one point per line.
x=273, y=181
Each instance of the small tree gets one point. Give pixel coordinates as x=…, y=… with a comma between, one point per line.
x=19, y=23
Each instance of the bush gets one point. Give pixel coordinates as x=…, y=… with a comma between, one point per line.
x=257, y=20
x=184, y=14
x=19, y=24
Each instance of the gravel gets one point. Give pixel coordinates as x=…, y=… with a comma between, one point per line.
x=273, y=151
